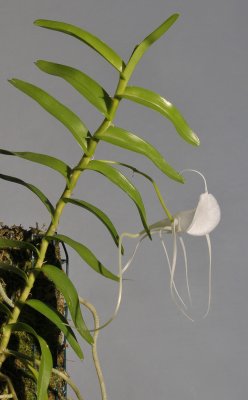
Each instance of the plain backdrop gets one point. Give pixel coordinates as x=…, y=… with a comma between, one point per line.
x=151, y=351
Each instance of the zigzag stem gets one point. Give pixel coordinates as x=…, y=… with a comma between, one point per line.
x=75, y=174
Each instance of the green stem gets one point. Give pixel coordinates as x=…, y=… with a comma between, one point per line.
x=160, y=197
x=156, y=188
x=158, y=193
x=67, y=193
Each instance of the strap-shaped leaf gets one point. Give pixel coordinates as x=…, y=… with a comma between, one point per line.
x=92, y=41
x=33, y=189
x=27, y=360
x=100, y=215
x=59, y=320
x=46, y=363
x=43, y=159
x=123, y=183
x=149, y=178
x=141, y=48
x=160, y=104
x=87, y=255
x=4, y=309
x=17, y=244
x=30, y=371
x=34, y=374
x=85, y=85
x=30, y=365
x=63, y=114
x=127, y=140
x=66, y=287
x=13, y=270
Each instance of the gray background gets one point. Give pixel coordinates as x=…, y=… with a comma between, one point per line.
x=151, y=351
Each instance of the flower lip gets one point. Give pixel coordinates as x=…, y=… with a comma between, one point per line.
x=201, y=220
x=184, y=220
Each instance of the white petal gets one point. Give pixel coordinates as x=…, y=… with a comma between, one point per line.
x=184, y=219
x=206, y=216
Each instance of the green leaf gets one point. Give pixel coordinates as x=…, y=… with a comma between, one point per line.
x=29, y=363
x=33, y=189
x=87, y=255
x=100, y=215
x=127, y=140
x=43, y=159
x=4, y=309
x=149, y=178
x=22, y=357
x=46, y=359
x=66, y=287
x=141, y=48
x=160, y=104
x=85, y=85
x=17, y=244
x=32, y=370
x=19, y=355
x=92, y=41
x=59, y=320
x=55, y=108
x=123, y=183
x=14, y=270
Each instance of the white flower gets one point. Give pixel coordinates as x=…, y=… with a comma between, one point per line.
x=199, y=221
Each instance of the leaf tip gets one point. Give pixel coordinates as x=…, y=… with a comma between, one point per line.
x=86, y=335
x=195, y=139
x=181, y=178
x=38, y=22
x=177, y=176
x=13, y=81
x=175, y=16
x=172, y=19
x=38, y=63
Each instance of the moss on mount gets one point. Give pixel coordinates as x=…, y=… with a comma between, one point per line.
x=45, y=291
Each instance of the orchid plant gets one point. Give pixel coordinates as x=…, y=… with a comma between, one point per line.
x=198, y=221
